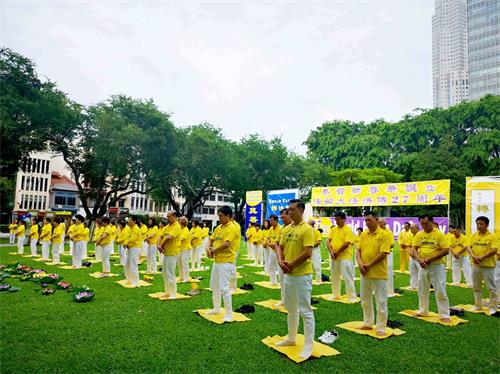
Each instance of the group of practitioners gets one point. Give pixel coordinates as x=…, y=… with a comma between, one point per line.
x=291, y=257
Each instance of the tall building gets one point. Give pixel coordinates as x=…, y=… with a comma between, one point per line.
x=483, y=29
x=449, y=53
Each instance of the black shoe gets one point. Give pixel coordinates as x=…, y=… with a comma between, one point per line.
x=246, y=309
x=247, y=286
x=394, y=324
x=399, y=291
x=454, y=311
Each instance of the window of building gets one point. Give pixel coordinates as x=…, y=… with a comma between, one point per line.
x=211, y=211
x=22, y=182
x=132, y=202
x=47, y=166
x=42, y=169
x=121, y=203
x=36, y=184
x=220, y=198
x=205, y=210
x=46, y=186
x=59, y=200
x=37, y=165
x=45, y=203
x=211, y=198
x=71, y=201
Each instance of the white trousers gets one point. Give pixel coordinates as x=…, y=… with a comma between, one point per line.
x=77, y=257
x=20, y=245
x=98, y=253
x=123, y=254
x=316, y=262
x=449, y=259
x=266, y=259
x=298, y=291
x=346, y=269
x=484, y=274
x=497, y=279
x=220, y=283
x=56, y=252
x=273, y=267
x=106, y=252
x=71, y=247
x=168, y=273
x=250, y=250
x=132, y=265
x=374, y=288
x=33, y=246
x=464, y=263
x=435, y=274
x=45, y=249
x=196, y=257
x=151, y=264
x=259, y=255
x=414, y=272
x=183, y=260
x=112, y=247
x=390, y=273
x=85, y=253
x=12, y=238
x=144, y=249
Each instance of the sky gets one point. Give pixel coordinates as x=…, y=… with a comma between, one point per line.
x=275, y=68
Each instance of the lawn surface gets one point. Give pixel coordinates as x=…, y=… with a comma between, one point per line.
x=125, y=331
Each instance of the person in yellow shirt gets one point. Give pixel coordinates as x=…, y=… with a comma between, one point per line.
x=404, y=240
x=33, y=236
x=482, y=251
x=390, y=258
x=222, y=248
x=57, y=241
x=257, y=238
x=113, y=235
x=273, y=242
x=237, y=244
x=316, y=253
x=294, y=256
x=132, y=245
x=183, y=258
x=169, y=243
x=287, y=221
x=97, y=233
x=105, y=242
x=151, y=238
x=85, y=253
x=63, y=228
x=197, y=245
x=145, y=246
x=340, y=245
x=265, y=248
x=414, y=265
x=45, y=238
x=374, y=248
x=20, y=234
x=122, y=236
x=496, y=246
x=78, y=237
x=430, y=248
x=458, y=249
x=250, y=247
x=206, y=233
x=12, y=231
x=69, y=233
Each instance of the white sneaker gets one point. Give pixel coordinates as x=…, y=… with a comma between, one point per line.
x=286, y=343
x=213, y=312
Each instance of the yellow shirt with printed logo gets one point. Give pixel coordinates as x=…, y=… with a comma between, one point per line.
x=458, y=244
x=371, y=244
x=337, y=237
x=222, y=234
x=294, y=239
x=480, y=245
x=429, y=244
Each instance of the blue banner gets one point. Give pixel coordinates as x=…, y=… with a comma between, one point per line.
x=278, y=200
x=253, y=208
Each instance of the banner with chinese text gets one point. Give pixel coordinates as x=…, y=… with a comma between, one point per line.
x=253, y=208
x=482, y=198
x=277, y=200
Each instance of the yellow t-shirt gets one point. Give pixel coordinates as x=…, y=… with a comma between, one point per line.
x=338, y=236
x=429, y=244
x=21, y=230
x=371, y=244
x=250, y=231
x=196, y=234
x=78, y=234
x=172, y=247
x=405, y=238
x=71, y=228
x=46, y=233
x=144, y=230
x=257, y=237
x=237, y=228
x=222, y=234
x=107, y=230
x=185, y=239
x=87, y=234
x=122, y=235
x=34, y=232
x=133, y=238
x=274, y=235
x=13, y=228
x=496, y=242
x=97, y=233
x=391, y=236
x=457, y=244
x=153, y=232
x=113, y=232
x=480, y=245
x=294, y=239
x=205, y=232
x=57, y=234
x=318, y=236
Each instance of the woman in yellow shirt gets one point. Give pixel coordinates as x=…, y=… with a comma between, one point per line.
x=69, y=233
x=78, y=236
x=133, y=244
x=197, y=244
x=86, y=241
x=105, y=241
x=20, y=234
x=144, y=246
x=45, y=238
x=34, y=237
x=122, y=234
x=265, y=247
x=150, y=239
x=57, y=241
x=257, y=244
x=183, y=259
x=12, y=231
x=95, y=236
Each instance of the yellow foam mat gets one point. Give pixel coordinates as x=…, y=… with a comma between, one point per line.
x=407, y=288
x=70, y=267
x=470, y=308
x=316, y=283
x=342, y=299
x=118, y=265
x=433, y=318
x=238, y=291
x=161, y=296
x=355, y=326
x=461, y=285
x=147, y=272
x=402, y=272
x=98, y=274
x=268, y=284
x=270, y=304
x=39, y=259
x=254, y=266
x=93, y=261
x=394, y=295
x=52, y=264
x=263, y=273
x=25, y=256
x=293, y=352
x=197, y=270
x=217, y=318
x=125, y=283
x=15, y=253
x=191, y=280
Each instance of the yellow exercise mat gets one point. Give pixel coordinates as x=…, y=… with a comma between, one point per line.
x=161, y=296
x=355, y=326
x=125, y=283
x=470, y=308
x=342, y=299
x=53, y=264
x=39, y=259
x=254, y=265
x=316, y=283
x=402, y=272
x=238, y=291
x=263, y=273
x=271, y=304
x=238, y=275
x=25, y=256
x=94, y=261
x=70, y=267
x=118, y=265
x=98, y=274
x=433, y=318
x=268, y=284
x=394, y=295
x=407, y=288
x=191, y=280
x=196, y=270
x=15, y=253
x=293, y=352
x=147, y=272
x=217, y=318
x=461, y=285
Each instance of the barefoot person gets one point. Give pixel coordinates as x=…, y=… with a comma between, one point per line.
x=132, y=245
x=105, y=241
x=222, y=248
x=33, y=237
x=78, y=237
x=20, y=235
x=404, y=240
x=298, y=241
x=374, y=247
x=12, y=231
x=57, y=241
x=390, y=262
x=45, y=238
x=151, y=240
x=183, y=259
x=272, y=240
x=169, y=243
x=287, y=221
x=414, y=265
x=430, y=247
x=460, y=259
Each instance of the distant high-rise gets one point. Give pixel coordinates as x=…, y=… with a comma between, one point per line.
x=483, y=29
x=449, y=53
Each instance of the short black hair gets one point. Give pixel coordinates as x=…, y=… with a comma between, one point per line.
x=226, y=210
x=340, y=215
x=57, y=220
x=135, y=219
x=105, y=220
x=370, y=213
x=359, y=229
x=80, y=218
x=123, y=223
x=284, y=211
x=274, y=217
x=48, y=219
x=484, y=219
x=320, y=230
x=153, y=221
x=453, y=227
x=426, y=215
x=299, y=203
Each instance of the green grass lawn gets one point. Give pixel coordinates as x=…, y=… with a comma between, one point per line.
x=124, y=330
